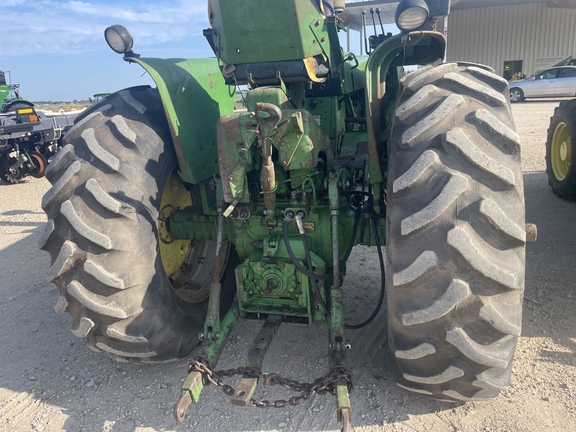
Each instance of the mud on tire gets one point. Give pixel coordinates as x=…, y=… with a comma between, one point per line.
x=455, y=234
x=102, y=232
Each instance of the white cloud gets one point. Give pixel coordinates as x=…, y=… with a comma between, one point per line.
x=65, y=27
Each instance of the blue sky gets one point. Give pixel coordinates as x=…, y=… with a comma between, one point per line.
x=55, y=49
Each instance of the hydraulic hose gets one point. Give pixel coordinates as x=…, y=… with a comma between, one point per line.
x=382, y=270
x=293, y=258
x=345, y=257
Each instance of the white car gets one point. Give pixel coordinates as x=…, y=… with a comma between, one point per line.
x=553, y=82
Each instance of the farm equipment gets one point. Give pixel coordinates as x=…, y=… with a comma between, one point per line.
x=560, y=151
x=98, y=97
x=172, y=216
x=10, y=99
x=27, y=139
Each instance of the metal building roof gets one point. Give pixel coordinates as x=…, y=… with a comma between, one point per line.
x=352, y=16
x=354, y=11
x=470, y=4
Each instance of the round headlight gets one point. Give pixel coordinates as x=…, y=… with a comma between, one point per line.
x=118, y=38
x=411, y=15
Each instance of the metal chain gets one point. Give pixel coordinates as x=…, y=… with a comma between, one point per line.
x=326, y=384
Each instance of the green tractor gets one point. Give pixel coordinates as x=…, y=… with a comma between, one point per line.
x=98, y=97
x=172, y=216
x=10, y=99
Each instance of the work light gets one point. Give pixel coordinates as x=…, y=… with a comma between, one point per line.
x=119, y=39
x=411, y=15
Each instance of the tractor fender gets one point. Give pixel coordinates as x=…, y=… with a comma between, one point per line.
x=194, y=96
x=416, y=48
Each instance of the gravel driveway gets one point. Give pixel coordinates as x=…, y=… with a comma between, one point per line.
x=51, y=381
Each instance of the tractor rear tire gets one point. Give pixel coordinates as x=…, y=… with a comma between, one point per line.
x=455, y=234
x=104, y=234
x=561, y=150
x=18, y=105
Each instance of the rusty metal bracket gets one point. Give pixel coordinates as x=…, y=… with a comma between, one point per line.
x=194, y=382
x=344, y=411
x=212, y=321
x=336, y=326
x=247, y=385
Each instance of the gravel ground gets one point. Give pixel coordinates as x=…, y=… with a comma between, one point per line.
x=50, y=381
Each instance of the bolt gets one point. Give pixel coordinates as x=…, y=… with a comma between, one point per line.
x=323, y=39
x=231, y=178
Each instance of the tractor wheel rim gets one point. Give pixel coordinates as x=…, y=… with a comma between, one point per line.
x=561, y=151
x=180, y=257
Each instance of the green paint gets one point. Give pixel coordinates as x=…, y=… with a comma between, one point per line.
x=194, y=96
x=194, y=382
x=246, y=31
x=315, y=129
x=401, y=50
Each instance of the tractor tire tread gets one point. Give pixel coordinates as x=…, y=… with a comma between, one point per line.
x=102, y=211
x=455, y=234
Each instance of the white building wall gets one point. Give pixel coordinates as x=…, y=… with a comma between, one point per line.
x=528, y=32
